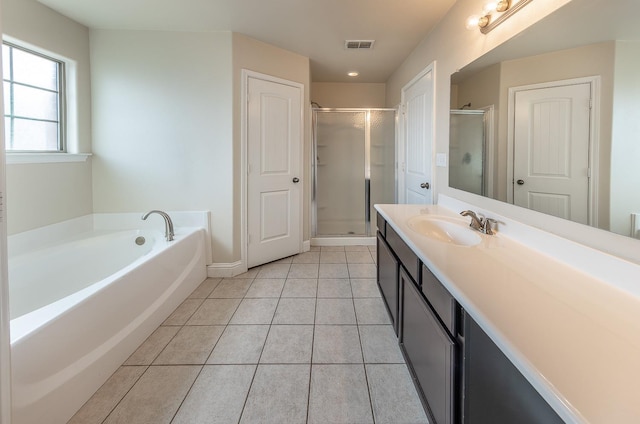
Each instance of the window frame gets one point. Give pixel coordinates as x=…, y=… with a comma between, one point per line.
x=61, y=98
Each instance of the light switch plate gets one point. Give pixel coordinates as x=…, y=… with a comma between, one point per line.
x=441, y=159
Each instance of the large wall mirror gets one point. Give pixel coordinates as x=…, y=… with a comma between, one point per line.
x=550, y=120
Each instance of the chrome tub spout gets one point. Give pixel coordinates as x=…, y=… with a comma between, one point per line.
x=168, y=224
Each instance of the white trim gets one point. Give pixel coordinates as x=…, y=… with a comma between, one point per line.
x=594, y=136
x=222, y=270
x=401, y=141
x=306, y=245
x=25, y=158
x=489, y=149
x=244, y=101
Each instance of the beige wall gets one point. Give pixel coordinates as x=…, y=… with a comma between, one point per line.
x=43, y=194
x=257, y=56
x=348, y=95
x=162, y=124
x=167, y=117
x=481, y=90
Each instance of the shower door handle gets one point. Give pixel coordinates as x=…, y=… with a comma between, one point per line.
x=296, y=180
x=367, y=200
x=426, y=186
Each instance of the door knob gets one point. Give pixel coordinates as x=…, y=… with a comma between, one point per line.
x=520, y=182
x=425, y=186
x=296, y=179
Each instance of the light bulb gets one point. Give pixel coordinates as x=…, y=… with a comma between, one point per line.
x=490, y=7
x=472, y=22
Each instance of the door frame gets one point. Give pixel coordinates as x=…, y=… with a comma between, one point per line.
x=489, y=150
x=246, y=74
x=402, y=133
x=594, y=137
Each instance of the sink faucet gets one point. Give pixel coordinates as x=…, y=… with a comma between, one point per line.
x=478, y=223
x=168, y=224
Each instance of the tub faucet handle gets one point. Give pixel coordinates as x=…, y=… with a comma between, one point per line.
x=168, y=224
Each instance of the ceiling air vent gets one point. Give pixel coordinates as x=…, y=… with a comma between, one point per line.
x=359, y=44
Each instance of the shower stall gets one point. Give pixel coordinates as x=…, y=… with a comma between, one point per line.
x=353, y=168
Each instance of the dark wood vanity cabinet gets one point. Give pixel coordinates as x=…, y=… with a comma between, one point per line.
x=428, y=345
x=461, y=375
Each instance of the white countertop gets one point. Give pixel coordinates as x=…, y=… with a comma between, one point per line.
x=575, y=337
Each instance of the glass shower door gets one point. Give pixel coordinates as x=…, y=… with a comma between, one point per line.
x=340, y=173
x=382, y=159
x=354, y=169
x=466, y=150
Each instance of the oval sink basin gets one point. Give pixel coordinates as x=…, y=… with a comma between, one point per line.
x=444, y=230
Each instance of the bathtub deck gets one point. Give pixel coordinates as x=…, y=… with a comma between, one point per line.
x=305, y=339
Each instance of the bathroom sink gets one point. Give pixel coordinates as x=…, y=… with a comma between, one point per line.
x=447, y=230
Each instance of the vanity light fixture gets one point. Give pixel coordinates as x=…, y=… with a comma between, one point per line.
x=494, y=13
x=353, y=74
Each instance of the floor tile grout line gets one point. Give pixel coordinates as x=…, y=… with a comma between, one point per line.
x=123, y=396
x=255, y=371
x=187, y=394
x=366, y=379
x=246, y=397
x=174, y=336
x=313, y=341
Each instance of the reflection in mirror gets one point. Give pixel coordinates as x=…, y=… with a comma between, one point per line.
x=565, y=137
x=466, y=151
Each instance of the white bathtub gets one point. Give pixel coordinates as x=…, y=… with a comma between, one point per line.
x=80, y=308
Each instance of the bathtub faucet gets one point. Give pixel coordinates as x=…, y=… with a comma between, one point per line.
x=168, y=224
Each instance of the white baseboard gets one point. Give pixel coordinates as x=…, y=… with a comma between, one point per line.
x=222, y=270
x=306, y=245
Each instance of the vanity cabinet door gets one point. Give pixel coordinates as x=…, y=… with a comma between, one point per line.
x=430, y=351
x=494, y=390
x=388, y=279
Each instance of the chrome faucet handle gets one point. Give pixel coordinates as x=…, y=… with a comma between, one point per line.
x=486, y=226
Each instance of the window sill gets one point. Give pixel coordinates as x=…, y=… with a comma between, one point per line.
x=25, y=158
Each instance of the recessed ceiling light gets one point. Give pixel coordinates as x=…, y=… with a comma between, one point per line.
x=353, y=74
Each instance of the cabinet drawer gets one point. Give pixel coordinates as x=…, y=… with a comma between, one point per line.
x=382, y=224
x=440, y=299
x=404, y=253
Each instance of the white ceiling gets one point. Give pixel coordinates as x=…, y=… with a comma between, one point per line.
x=313, y=28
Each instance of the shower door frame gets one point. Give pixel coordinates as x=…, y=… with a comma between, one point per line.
x=367, y=168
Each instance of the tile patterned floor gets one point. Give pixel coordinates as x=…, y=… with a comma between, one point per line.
x=303, y=340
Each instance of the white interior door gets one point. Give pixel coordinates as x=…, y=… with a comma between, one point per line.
x=274, y=166
x=551, y=150
x=415, y=168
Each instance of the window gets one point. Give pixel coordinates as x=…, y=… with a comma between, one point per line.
x=33, y=101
